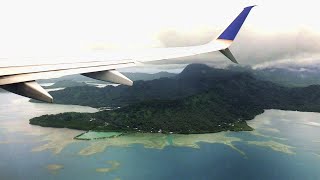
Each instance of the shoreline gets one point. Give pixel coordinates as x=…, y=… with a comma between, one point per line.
x=78, y=137
x=105, y=135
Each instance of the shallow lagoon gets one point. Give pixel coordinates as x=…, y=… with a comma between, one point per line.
x=285, y=145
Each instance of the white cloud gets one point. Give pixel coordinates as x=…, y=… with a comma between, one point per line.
x=274, y=31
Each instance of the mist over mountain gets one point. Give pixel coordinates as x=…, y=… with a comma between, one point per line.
x=291, y=76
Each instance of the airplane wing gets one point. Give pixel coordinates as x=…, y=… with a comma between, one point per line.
x=21, y=79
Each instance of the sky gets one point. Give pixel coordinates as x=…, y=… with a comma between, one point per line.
x=275, y=32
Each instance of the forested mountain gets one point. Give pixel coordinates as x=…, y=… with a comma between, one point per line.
x=199, y=99
x=194, y=79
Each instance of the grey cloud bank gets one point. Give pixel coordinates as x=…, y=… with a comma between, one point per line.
x=258, y=50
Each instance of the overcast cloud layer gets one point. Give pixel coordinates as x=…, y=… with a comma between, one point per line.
x=275, y=32
x=300, y=48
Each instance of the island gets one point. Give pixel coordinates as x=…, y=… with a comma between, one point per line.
x=198, y=100
x=202, y=113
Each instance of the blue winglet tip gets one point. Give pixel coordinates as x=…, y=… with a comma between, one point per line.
x=233, y=29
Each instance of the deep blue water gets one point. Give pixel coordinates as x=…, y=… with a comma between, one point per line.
x=210, y=161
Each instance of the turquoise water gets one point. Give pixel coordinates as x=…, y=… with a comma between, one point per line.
x=285, y=145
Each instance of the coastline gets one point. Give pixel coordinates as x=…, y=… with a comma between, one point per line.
x=95, y=135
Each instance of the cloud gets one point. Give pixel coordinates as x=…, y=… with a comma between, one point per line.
x=295, y=65
x=254, y=48
x=250, y=48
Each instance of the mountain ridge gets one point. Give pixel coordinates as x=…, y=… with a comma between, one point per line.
x=211, y=101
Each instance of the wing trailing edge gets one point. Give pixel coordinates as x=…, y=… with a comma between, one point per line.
x=31, y=74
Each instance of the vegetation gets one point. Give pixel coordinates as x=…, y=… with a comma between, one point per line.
x=199, y=100
x=197, y=114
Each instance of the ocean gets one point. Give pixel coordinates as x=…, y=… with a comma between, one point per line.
x=284, y=145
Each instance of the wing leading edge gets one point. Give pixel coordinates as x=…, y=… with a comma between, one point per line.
x=21, y=79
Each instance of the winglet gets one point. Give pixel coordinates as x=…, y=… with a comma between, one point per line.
x=232, y=30
x=229, y=55
x=225, y=39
